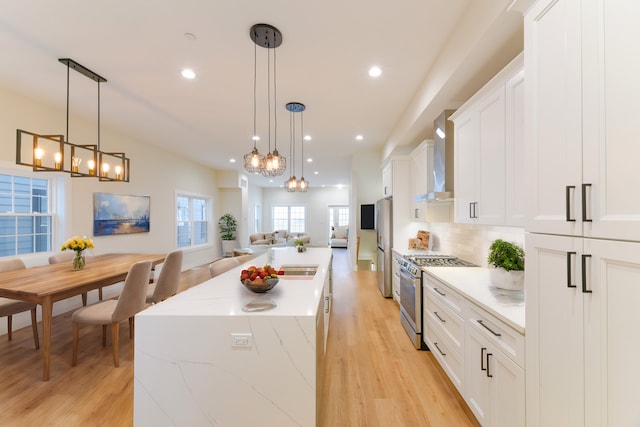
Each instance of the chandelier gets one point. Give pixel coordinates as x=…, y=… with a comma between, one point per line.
x=273, y=164
x=293, y=184
x=54, y=153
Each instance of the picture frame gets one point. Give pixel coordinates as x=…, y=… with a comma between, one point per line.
x=120, y=214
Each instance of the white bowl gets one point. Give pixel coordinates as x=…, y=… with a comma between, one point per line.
x=509, y=280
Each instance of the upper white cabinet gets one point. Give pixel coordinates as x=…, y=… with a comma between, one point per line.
x=489, y=158
x=421, y=178
x=387, y=180
x=583, y=149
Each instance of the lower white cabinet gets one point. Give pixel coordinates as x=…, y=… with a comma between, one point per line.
x=494, y=383
x=395, y=275
x=483, y=356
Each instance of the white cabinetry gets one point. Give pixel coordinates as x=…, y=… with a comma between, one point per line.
x=584, y=127
x=582, y=345
x=488, y=152
x=494, y=376
x=387, y=180
x=582, y=281
x=395, y=275
x=443, y=327
x=421, y=178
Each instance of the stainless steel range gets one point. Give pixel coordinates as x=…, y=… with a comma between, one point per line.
x=411, y=290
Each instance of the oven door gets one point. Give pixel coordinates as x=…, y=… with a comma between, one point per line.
x=410, y=300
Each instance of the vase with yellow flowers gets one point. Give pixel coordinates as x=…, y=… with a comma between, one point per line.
x=78, y=245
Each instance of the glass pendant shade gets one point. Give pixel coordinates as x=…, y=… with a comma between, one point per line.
x=254, y=162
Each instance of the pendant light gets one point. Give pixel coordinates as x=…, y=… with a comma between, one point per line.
x=302, y=184
x=269, y=37
x=54, y=153
x=292, y=184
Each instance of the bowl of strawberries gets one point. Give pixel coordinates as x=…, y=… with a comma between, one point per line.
x=259, y=279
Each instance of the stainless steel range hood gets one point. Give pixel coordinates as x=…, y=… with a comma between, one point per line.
x=442, y=160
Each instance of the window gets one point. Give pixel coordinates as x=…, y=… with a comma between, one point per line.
x=290, y=218
x=338, y=216
x=192, y=221
x=25, y=217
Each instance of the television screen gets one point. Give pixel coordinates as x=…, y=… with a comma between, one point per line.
x=367, y=217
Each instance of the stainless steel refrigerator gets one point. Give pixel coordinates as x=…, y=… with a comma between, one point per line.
x=384, y=231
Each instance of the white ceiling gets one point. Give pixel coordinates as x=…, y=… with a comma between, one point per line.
x=328, y=46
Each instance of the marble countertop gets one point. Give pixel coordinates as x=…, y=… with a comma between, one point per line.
x=474, y=284
x=224, y=295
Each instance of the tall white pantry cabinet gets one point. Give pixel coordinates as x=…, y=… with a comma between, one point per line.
x=582, y=130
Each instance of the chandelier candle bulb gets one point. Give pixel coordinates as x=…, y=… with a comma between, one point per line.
x=118, y=172
x=58, y=160
x=92, y=167
x=105, y=170
x=38, y=153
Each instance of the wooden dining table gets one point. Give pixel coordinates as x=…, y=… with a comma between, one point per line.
x=47, y=284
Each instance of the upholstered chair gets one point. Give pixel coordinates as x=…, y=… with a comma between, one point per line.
x=168, y=280
x=225, y=264
x=9, y=307
x=67, y=256
x=112, y=312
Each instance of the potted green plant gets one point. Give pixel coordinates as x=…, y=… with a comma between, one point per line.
x=228, y=226
x=507, y=260
x=300, y=245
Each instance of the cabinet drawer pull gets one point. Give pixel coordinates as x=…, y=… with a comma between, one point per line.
x=569, y=268
x=584, y=274
x=436, y=344
x=489, y=366
x=488, y=328
x=568, y=189
x=482, y=350
x=439, y=318
x=584, y=203
x=440, y=292
x=415, y=213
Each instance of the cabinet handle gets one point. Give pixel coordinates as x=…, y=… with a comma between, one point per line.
x=470, y=214
x=475, y=206
x=489, y=365
x=568, y=189
x=439, y=318
x=415, y=213
x=584, y=203
x=436, y=344
x=326, y=305
x=440, y=292
x=569, y=268
x=584, y=274
x=482, y=350
x=488, y=328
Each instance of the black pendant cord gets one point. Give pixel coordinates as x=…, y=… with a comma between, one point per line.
x=269, y=94
x=98, y=116
x=302, y=144
x=67, y=102
x=275, y=103
x=255, y=76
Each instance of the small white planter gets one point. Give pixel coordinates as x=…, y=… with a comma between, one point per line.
x=227, y=247
x=509, y=280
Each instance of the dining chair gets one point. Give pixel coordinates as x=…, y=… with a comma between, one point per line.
x=9, y=307
x=67, y=256
x=225, y=264
x=169, y=279
x=112, y=312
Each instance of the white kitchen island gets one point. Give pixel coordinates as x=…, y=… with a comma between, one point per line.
x=200, y=360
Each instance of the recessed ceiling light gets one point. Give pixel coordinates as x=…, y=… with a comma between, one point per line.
x=307, y=137
x=232, y=160
x=316, y=173
x=188, y=73
x=375, y=71
x=190, y=36
x=309, y=160
x=359, y=137
x=322, y=185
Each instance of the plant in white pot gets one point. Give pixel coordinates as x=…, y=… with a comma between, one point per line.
x=508, y=261
x=228, y=226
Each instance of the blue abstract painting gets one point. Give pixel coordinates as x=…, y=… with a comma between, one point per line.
x=120, y=214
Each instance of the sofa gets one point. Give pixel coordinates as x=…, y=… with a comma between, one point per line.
x=278, y=237
x=339, y=237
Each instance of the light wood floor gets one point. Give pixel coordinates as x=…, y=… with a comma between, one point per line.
x=373, y=375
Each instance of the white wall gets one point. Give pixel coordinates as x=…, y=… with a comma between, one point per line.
x=316, y=201
x=366, y=181
x=154, y=173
